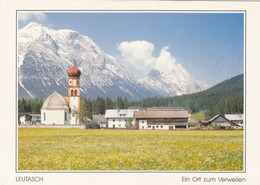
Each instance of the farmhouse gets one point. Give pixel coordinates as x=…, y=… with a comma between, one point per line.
x=117, y=118
x=236, y=118
x=63, y=110
x=161, y=119
x=220, y=121
x=30, y=119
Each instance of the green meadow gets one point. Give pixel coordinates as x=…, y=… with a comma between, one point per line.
x=84, y=149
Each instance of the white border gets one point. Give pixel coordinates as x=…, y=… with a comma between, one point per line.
x=7, y=58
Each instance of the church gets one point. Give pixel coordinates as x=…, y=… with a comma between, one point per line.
x=59, y=110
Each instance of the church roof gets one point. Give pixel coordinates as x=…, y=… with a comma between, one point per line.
x=74, y=71
x=55, y=101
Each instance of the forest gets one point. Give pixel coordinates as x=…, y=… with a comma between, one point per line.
x=223, y=98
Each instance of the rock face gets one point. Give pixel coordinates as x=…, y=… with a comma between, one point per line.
x=45, y=55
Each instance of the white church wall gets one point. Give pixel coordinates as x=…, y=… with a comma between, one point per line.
x=54, y=117
x=74, y=120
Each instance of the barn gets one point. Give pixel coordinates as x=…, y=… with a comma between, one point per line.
x=161, y=119
x=219, y=121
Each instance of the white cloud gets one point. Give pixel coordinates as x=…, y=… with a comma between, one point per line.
x=165, y=61
x=138, y=57
x=25, y=16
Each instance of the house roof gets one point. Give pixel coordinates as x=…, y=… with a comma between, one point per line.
x=119, y=113
x=170, y=108
x=55, y=101
x=34, y=115
x=162, y=114
x=99, y=118
x=234, y=116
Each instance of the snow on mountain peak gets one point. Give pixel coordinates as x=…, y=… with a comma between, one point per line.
x=45, y=55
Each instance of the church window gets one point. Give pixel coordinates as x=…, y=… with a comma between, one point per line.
x=76, y=92
x=71, y=92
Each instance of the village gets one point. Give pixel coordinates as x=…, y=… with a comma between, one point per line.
x=64, y=111
x=154, y=118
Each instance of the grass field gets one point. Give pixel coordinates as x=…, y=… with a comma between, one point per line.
x=198, y=116
x=79, y=149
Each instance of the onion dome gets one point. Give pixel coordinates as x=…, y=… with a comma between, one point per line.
x=74, y=71
x=55, y=101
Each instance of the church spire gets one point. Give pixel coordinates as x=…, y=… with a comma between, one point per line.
x=74, y=71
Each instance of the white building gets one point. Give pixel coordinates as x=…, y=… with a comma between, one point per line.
x=30, y=119
x=117, y=118
x=55, y=110
x=63, y=110
x=236, y=118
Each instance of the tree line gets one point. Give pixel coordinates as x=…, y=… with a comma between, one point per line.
x=225, y=98
x=30, y=105
x=99, y=105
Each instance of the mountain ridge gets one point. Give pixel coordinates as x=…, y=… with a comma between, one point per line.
x=45, y=55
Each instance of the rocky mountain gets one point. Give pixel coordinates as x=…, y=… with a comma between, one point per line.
x=45, y=55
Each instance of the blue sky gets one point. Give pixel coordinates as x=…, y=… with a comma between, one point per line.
x=208, y=45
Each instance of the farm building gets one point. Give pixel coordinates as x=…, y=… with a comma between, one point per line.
x=100, y=119
x=154, y=119
x=236, y=118
x=30, y=119
x=221, y=121
x=117, y=118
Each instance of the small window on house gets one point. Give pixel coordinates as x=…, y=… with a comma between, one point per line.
x=65, y=116
x=157, y=126
x=113, y=120
x=149, y=126
x=119, y=120
x=44, y=116
x=142, y=121
x=119, y=125
x=161, y=126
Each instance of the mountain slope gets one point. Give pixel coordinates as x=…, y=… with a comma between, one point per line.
x=45, y=55
x=232, y=81
x=225, y=97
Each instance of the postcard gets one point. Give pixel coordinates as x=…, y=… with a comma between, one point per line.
x=129, y=92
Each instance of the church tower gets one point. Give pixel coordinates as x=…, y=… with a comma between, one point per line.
x=74, y=88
